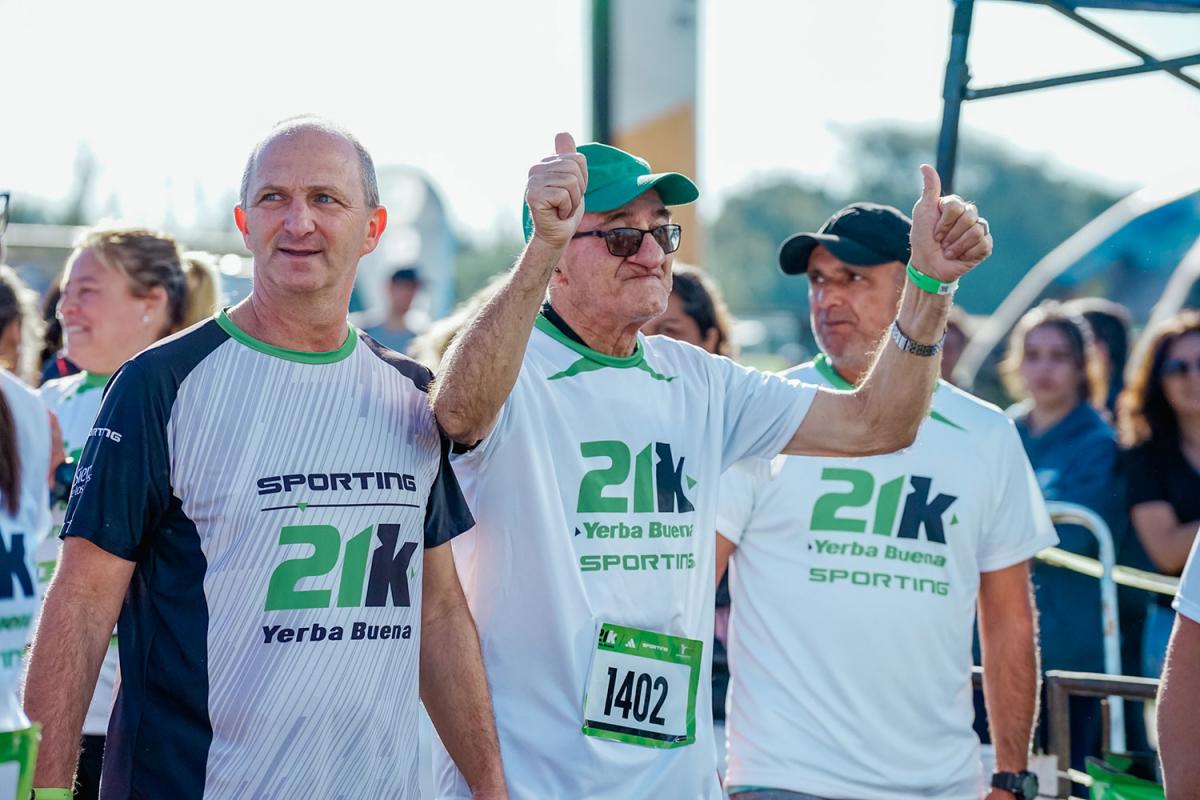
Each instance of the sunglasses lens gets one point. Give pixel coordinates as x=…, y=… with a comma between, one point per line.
x=623, y=242
x=668, y=237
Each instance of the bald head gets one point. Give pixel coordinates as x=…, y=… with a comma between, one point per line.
x=302, y=124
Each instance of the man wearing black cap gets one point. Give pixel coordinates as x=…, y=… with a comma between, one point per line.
x=855, y=581
x=594, y=485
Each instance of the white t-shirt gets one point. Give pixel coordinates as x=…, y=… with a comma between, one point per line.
x=853, y=599
x=75, y=401
x=595, y=500
x=1187, y=601
x=20, y=533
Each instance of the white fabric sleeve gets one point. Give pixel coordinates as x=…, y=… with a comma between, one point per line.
x=735, y=504
x=1187, y=601
x=762, y=411
x=1019, y=526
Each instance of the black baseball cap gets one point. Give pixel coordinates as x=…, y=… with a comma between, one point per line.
x=862, y=234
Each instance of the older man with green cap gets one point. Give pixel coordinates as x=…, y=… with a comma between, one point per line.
x=591, y=458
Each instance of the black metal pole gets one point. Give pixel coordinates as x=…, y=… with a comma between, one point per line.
x=958, y=74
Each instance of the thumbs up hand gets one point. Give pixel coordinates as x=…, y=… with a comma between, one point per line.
x=949, y=238
x=555, y=191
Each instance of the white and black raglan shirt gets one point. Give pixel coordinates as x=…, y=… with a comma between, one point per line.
x=277, y=504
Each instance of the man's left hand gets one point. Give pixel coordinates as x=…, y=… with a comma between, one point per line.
x=949, y=238
x=1000, y=794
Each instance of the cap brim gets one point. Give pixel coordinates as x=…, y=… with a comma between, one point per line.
x=795, y=252
x=673, y=188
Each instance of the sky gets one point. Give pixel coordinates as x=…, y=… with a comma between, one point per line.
x=169, y=98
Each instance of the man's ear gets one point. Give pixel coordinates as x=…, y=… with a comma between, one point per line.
x=239, y=219
x=375, y=229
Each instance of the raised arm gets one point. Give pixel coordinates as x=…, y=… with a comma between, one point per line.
x=480, y=368
x=883, y=414
x=453, y=685
x=80, y=610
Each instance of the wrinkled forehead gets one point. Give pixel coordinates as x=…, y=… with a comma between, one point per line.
x=306, y=157
x=640, y=212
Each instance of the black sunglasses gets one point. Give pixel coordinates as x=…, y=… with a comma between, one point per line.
x=624, y=242
x=1177, y=366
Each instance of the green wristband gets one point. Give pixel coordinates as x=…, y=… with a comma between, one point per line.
x=52, y=794
x=931, y=285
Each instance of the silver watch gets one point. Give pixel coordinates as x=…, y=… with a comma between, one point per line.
x=908, y=345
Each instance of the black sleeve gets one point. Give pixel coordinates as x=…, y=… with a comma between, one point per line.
x=122, y=485
x=446, y=512
x=1144, y=478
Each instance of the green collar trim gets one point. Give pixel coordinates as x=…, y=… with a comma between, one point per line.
x=592, y=360
x=92, y=380
x=822, y=364
x=299, y=356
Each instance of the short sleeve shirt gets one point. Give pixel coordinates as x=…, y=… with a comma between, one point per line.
x=276, y=504
x=854, y=589
x=596, y=496
x=1187, y=601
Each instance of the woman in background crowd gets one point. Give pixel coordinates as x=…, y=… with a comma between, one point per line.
x=1053, y=365
x=696, y=313
x=19, y=326
x=1159, y=417
x=123, y=289
x=203, y=287
x=25, y=447
x=52, y=361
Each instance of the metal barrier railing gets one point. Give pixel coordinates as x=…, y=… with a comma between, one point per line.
x=1072, y=514
x=1061, y=685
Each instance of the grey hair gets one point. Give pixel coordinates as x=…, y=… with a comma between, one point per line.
x=308, y=122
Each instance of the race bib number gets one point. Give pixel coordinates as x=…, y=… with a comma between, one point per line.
x=642, y=688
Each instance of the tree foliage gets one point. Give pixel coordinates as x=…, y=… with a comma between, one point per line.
x=1031, y=208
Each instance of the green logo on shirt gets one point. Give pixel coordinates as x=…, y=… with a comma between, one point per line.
x=657, y=484
x=830, y=512
x=388, y=577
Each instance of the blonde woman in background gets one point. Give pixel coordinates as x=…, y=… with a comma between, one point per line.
x=123, y=289
x=20, y=328
x=203, y=287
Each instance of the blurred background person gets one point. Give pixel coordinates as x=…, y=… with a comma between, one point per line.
x=122, y=290
x=25, y=446
x=395, y=331
x=696, y=313
x=203, y=287
x=19, y=325
x=1053, y=367
x=430, y=346
x=1112, y=329
x=1159, y=418
x=53, y=362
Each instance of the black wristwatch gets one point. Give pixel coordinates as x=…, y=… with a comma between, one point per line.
x=1022, y=784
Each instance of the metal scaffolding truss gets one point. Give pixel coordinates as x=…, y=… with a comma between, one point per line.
x=957, y=90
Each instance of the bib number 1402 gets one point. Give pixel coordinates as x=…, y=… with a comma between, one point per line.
x=633, y=694
x=642, y=688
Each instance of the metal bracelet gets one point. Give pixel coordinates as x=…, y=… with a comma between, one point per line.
x=915, y=348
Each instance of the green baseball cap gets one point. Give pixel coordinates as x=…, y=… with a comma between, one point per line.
x=616, y=177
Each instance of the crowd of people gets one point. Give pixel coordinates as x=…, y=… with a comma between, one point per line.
x=646, y=571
